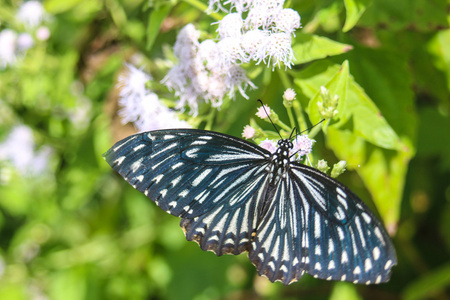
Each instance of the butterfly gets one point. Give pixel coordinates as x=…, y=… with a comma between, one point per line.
x=233, y=196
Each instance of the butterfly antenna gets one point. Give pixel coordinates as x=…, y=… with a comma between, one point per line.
x=267, y=114
x=312, y=126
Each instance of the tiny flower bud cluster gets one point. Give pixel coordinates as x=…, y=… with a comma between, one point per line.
x=143, y=107
x=265, y=33
x=207, y=70
x=328, y=106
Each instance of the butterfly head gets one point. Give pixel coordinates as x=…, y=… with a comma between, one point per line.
x=281, y=155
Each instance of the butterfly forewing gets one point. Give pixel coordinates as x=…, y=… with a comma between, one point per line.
x=234, y=196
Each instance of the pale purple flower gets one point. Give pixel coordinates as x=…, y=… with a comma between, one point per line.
x=302, y=145
x=31, y=13
x=263, y=112
x=249, y=132
x=269, y=145
x=20, y=150
x=24, y=42
x=206, y=71
x=289, y=94
x=43, y=33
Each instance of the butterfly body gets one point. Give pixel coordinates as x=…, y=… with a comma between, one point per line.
x=234, y=196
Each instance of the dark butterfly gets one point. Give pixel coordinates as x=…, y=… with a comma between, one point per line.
x=234, y=196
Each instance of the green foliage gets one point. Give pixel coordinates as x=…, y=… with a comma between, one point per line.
x=78, y=231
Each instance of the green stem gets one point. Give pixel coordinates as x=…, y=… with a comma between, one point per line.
x=300, y=117
x=287, y=84
x=203, y=7
x=210, y=119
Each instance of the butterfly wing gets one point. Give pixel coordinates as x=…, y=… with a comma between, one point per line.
x=316, y=225
x=213, y=181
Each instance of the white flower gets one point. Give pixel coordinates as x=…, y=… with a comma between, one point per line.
x=31, y=13
x=249, y=132
x=141, y=106
x=236, y=78
x=186, y=45
x=253, y=43
x=207, y=72
x=263, y=111
x=230, y=26
x=208, y=56
x=8, y=40
x=287, y=20
x=19, y=150
x=278, y=49
x=231, y=51
x=133, y=82
x=269, y=145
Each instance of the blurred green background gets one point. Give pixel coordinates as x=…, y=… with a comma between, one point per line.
x=75, y=230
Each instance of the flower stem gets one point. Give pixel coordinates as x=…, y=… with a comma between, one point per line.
x=203, y=7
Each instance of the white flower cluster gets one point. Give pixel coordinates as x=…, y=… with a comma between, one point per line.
x=14, y=45
x=205, y=71
x=265, y=33
x=19, y=150
x=143, y=107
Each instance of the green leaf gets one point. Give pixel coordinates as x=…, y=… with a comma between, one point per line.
x=422, y=15
x=309, y=47
x=354, y=9
x=156, y=18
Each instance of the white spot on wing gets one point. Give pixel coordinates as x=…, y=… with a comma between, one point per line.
x=388, y=264
x=376, y=253
x=138, y=147
x=201, y=177
x=367, y=264
x=119, y=160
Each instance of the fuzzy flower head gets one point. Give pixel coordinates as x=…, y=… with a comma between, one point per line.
x=289, y=94
x=31, y=13
x=249, y=132
x=269, y=145
x=141, y=106
x=206, y=71
x=263, y=112
x=230, y=26
x=302, y=145
x=264, y=34
x=287, y=20
x=279, y=50
x=20, y=150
